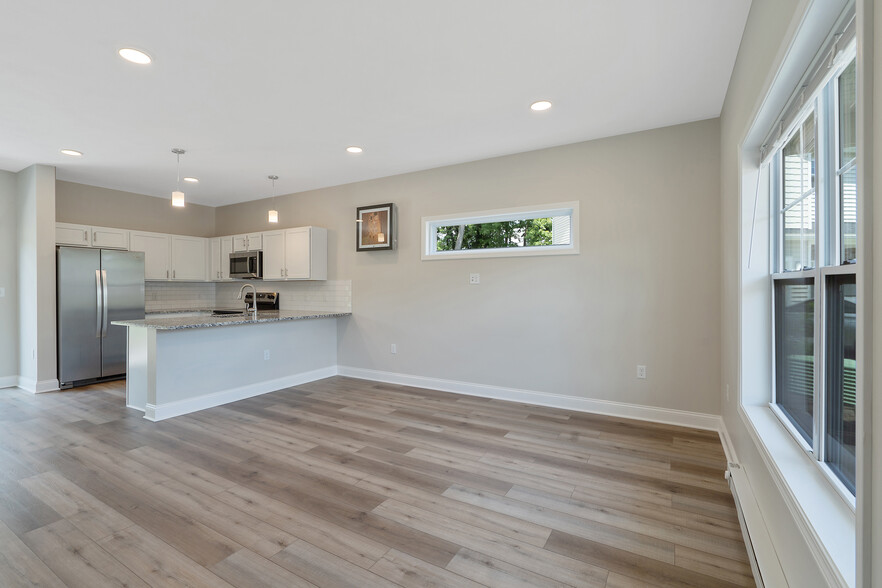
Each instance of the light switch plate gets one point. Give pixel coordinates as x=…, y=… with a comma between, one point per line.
x=474, y=278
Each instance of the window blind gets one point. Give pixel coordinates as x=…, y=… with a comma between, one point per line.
x=822, y=68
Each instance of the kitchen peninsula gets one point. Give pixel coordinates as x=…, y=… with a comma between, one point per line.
x=179, y=365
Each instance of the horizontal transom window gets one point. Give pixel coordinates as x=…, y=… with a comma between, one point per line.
x=535, y=230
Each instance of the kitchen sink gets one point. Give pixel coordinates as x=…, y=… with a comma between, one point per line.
x=226, y=312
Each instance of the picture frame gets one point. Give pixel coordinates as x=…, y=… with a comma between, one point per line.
x=375, y=227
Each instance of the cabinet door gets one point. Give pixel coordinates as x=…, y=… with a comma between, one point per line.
x=273, y=255
x=188, y=258
x=107, y=238
x=156, y=248
x=297, y=253
x=240, y=243
x=255, y=241
x=67, y=234
x=214, y=269
x=226, y=249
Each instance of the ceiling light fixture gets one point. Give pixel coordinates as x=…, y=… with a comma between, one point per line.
x=192, y=180
x=135, y=56
x=540, y=105
x=178, y=196
x=273, y=215
x=72, y=152
x=354, y=149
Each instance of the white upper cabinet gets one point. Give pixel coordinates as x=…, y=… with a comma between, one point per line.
x=172, y=257
x=189, y=258
x=306, y=253
x=77, y=235
x=249, y=242
x=157, y=254
x=219, y=267
x=274, y=255
x=108, y=238
x=89, y=236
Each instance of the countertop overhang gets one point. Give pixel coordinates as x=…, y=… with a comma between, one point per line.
x=205, y=321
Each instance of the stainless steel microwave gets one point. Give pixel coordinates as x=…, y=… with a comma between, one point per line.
x=247, y=265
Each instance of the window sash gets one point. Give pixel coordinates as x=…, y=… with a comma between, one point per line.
x=430, y=226
x=831, y=397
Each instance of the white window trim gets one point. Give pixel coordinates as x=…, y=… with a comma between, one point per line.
x=431, y=223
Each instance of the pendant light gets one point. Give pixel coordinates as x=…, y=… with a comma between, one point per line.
x=178, y=196
x=273, y=215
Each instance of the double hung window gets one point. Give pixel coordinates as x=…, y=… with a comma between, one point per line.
x=813, y=183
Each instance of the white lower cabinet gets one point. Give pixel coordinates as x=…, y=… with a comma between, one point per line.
x=157, y=254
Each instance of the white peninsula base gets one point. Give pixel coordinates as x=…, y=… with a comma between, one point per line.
x=175, y=371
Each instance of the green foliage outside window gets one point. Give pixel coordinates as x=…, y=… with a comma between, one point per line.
x=520, y=233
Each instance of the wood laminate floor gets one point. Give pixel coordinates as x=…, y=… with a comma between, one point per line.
x=344, y=482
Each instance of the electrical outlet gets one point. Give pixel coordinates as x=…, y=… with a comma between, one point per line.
x=641, y=372
x=266, y=354
x=2, y=292
x=474, y=278
x=393, y=349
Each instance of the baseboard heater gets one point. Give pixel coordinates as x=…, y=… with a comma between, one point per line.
x=767, y=571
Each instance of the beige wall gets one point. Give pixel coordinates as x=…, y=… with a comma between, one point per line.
x=644, y=290
x=8, y=281
x=91, y=205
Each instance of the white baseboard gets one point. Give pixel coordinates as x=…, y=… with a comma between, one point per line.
x=668, y=416
x=9, y=382
x=35, y=387
x=180, y=407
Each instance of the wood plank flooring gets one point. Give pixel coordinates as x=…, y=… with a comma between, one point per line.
x=345, y=482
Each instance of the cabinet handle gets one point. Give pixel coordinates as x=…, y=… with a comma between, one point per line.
x=173, y=274
x=166, y=274
x=85, y=235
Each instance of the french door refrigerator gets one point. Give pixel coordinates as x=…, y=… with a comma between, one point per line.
x=96, y=287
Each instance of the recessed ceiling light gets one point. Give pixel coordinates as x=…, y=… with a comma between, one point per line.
x=541, y=105
x=72, y=152
x=354, y=149
x=192, y=180
x=134, y=56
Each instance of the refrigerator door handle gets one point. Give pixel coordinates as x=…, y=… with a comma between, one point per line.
x=98, y=303
x=104, y=319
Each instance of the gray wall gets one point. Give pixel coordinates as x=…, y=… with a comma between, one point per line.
x=35, y=214
x=644, y=290
x=91, y=205
x=8, y=280
x=770, y=22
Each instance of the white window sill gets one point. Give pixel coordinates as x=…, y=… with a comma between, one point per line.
x=825, y=519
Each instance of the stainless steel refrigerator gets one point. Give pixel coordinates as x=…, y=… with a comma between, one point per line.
x=95, y=287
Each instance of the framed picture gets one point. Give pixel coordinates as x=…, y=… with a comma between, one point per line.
x=374, y=226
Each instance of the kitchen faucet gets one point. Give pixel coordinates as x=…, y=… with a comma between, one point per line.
x=253, y=300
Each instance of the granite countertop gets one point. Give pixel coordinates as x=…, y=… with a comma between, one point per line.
x=203, y=321
x=180, y=311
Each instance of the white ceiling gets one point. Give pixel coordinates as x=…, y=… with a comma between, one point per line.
x=261, y=87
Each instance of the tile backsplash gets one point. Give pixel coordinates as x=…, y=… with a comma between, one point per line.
x=178, y=296
x=330, y=295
